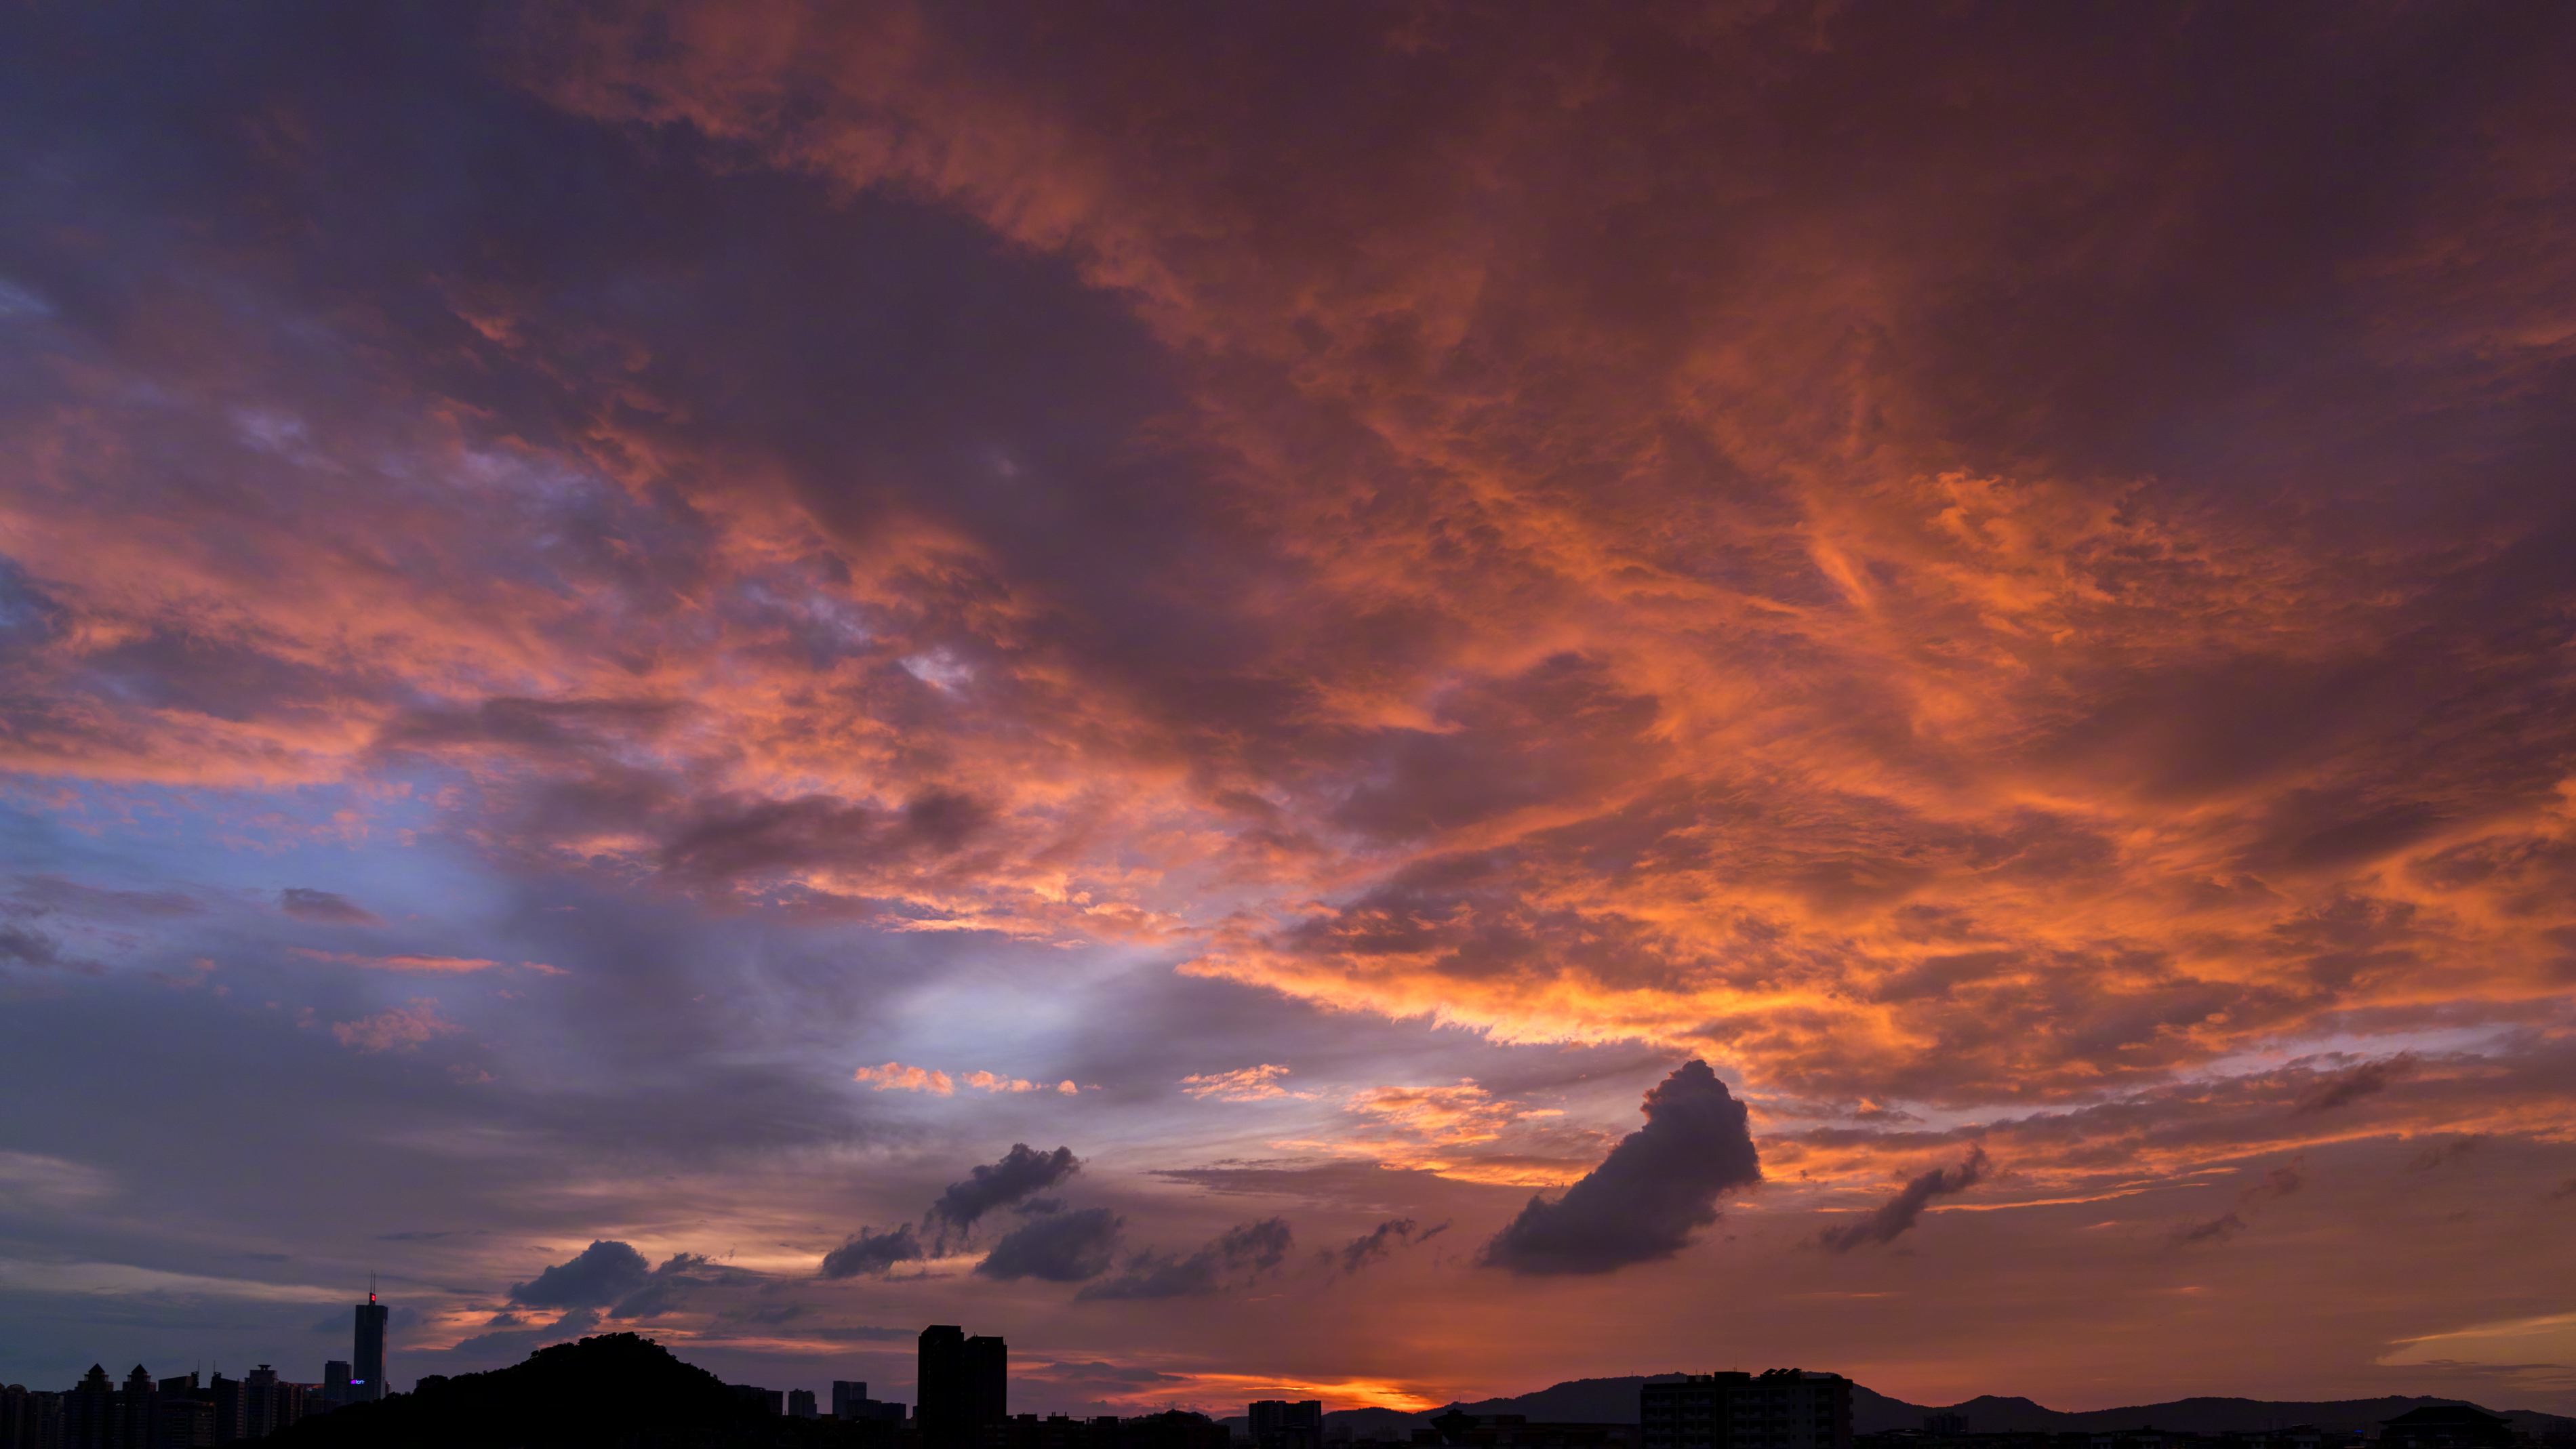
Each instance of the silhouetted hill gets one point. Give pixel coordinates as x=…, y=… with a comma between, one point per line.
x=1614, y=1400
x=1988, y=1414
x=616, y=1391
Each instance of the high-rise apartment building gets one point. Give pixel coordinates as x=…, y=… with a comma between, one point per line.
x=964, y=1384
x=183, y=1414
x=800, y=1404
x=30, y=1418
x=940, y=1387
x=269, y=1404
x=1776, y=1409
x=137, y=1411
x=89, y=1412
x=988, y=1381
x=847, y=1395
x=768, y=1401
x=1288, y=1424
x=226, y=1395
x=335, y=1383
x=367, y=1365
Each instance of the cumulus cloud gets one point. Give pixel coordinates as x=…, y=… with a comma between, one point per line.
x=989, y=1082
x=896, y=1077
x=313, y=905
x=2345, y=1088
x=872, y=1254
x=1648, y=1197
x=404, y=1028
x=509, y=1335
x=1894, y=1216
x=1065, y=1247
x=667, y=1290
x=1250, y=1249
x=1021, y=1173
x=597, y=1276
x=1377, y=1244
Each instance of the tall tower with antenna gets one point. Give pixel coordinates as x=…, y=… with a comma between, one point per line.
x=367, y=1363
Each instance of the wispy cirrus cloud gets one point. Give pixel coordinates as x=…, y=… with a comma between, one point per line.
x=1244, y=1084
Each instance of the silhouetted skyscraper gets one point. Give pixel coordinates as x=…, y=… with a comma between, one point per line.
x=335, y=1383
x=183, y=1414
x=1288, y=1424
x=89, y=1412
x=134, y=1415
x=230, y=1420
x=940, y=1391
x=768, y=1401
x=964, y=1385
x=268, y=1405
x=988, y=1381
x=367, y=1366
x=800, y=1404
x=847, y=1395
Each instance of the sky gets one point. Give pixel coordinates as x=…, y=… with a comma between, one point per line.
x=1385, y=702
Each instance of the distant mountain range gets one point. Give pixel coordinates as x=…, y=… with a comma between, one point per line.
x=1614, y=1401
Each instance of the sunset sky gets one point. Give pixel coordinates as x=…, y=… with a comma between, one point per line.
x=1379, y=701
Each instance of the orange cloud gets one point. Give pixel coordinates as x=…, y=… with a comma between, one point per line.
x=896, y=1077
x=986, y=1081
x=415, y=963
x=1244, y=1084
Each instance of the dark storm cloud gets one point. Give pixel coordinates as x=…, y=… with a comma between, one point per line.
x=593, y=1278
x=2345, y=1088
x=1020, y=1174
x=27, y=946
x=1377, y=1244
x=1059, y=1247
x=1645, y=1200
x=504, y=1337
x=753, y=836
x=314, y=905
x=1251, y=1249
x=1894, y=1216
x=870, y=1253
x=667, y=1291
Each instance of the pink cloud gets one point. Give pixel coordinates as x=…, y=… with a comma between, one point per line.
x=402, y=1029
x=896, y=1077
x=407, y=963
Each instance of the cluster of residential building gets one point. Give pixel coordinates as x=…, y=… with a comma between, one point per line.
x=185, y=1411
x=181, y=1412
